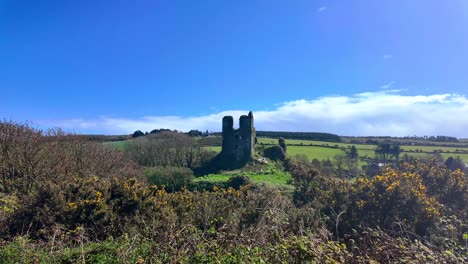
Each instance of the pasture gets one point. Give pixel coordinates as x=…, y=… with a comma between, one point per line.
x=120, y=145
x=313, y=152
x=324, y=150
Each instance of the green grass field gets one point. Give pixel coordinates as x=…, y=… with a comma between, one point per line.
x=270, y=179
x=316, y=149
x=216, y=149
x=259, y=173
x=313, y=152
x=322, y=153
x=432, y=148
x=273, y=141
x=120, y=145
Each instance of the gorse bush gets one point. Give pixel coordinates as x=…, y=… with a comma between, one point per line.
x=394, y=198
x=406, y=202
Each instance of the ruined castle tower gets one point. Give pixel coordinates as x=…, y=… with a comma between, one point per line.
x=238, y=144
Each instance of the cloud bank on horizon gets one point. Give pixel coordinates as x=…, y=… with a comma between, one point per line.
x=383, y=113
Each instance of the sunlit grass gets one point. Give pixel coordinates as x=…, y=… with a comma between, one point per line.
x=120, y=145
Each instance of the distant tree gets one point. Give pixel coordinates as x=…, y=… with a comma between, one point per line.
x=351, y=161
x=137, y=133
x=157, y=131
x=282, y=143
x=352, y=153
x=339, y=162
x=383, y=151
x=396, y=150
x=195, y=133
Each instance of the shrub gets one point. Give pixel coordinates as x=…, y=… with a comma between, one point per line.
x=237, y=181
x=173, y=178
x=275, y=153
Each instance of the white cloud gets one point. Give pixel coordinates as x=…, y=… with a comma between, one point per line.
x=387, y=86
x=322, y=9
x=372, y=113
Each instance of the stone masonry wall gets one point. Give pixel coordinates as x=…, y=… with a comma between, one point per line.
x=238, y=144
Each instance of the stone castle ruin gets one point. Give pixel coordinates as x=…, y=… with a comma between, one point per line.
x=238, y=144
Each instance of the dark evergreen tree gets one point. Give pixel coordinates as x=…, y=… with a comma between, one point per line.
x=352, y=153
x=137, y=133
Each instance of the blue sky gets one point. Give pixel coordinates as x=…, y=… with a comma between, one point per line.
x=347, y=67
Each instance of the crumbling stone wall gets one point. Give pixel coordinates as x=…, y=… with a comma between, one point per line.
x=238, y=144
